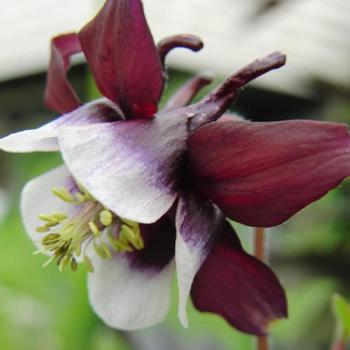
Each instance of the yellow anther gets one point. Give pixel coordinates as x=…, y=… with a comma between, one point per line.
x=123, y=245
x=130, y=222
x=81, y=198
x=58, y=216
x=99, y=250
x=42, y=229
x=81, y=187
x=106, y=217
x=88, y=264
x=74, y=265
x=63, y=263
x=127, y=232
x=140, y=242
x=50, y=238
x=51, y=224
x=47, y=218
x=114, y=242
x=106, y=250
x=94, y=229
x=63, y=194
x=87, y=196
x=131, y=235
x=77, y=249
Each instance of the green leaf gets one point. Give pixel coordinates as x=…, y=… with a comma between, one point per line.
x=341, y=309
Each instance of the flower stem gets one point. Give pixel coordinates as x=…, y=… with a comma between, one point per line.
x=262, y=342
x=260, y=243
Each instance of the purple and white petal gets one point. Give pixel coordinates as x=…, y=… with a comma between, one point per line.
x=37, y=198
x=197, y=225
x=129, y=166
x=44, y=139
x=133, y=290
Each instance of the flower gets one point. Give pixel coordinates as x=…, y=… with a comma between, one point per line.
x=142, y=194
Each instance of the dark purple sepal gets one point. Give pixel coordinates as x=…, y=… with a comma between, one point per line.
x=211, y=107
x=59, y=93
x=238, y=287
x=260, y=174
x=184, y=95
x=123, y=58
x=159, y=250
x=187, y=41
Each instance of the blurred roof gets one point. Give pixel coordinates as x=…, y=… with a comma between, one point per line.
x=28, y=26
x=313, y=33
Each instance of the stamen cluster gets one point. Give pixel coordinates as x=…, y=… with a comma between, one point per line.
x=68, y=238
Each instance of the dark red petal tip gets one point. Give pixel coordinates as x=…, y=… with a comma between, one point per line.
x=260, y=174
x=253, y=306
x=184, y=95
x=123, y=57
x=187, y=41
x=59, y=94
x=219, y=100
x=239, y=287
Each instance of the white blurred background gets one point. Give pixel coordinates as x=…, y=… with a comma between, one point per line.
x=313, y=33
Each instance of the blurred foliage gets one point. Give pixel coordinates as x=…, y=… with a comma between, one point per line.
x=41, y=308
x=341, y=310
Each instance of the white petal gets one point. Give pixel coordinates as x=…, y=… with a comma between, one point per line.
x=197, y=224
x=37, y=198
x=129, y=298
x=44, y=139
x=187, y=265
x=129, y=166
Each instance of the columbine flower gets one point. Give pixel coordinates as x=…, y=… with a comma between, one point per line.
x=145, y=193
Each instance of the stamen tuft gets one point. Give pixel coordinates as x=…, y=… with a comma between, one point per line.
x=88, y=264
x=63, y=194
x=66, y=236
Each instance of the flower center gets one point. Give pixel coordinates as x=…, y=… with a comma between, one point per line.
x=68, y=237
